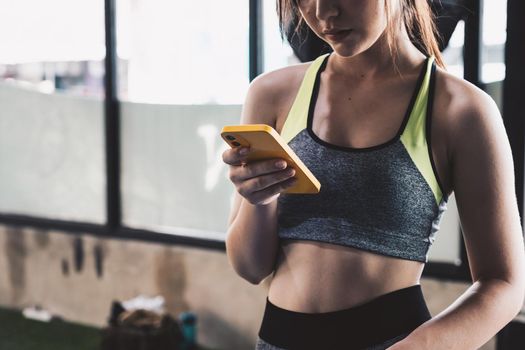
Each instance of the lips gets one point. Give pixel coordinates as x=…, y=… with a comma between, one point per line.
x=333, y=31
x=337, y=34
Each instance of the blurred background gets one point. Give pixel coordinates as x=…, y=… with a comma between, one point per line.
x=112, y=184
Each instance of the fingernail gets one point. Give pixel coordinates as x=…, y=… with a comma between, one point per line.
x=280, y=164
x=243, y=151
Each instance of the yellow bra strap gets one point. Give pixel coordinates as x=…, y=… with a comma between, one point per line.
x=298, y=115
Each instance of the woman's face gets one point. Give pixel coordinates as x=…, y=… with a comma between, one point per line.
x=361, y=21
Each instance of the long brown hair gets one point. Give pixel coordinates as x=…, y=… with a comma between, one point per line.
x=416, y=15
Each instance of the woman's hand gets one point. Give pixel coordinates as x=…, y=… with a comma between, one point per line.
x=260, y=182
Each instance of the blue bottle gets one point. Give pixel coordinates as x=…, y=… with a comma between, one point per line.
x=189, y=330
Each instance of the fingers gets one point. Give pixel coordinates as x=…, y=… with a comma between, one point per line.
x=261, y=182
x=261, y=167
x=272, y=192
x=241, y=169
x=234, y=156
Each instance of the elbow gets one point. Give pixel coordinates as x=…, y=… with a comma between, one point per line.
x=520, y=291
x=254, y=277
x=243, y=270
x=517, y=286
x=516, y=297
x=515, y=293
x=255, y=280
x=258, y=279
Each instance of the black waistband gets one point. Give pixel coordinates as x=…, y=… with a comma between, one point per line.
x=376, y=321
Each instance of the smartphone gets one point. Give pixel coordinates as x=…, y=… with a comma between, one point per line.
x=266, y=143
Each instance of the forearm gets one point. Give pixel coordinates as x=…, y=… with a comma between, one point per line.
x=472, y=320
x=252, y=242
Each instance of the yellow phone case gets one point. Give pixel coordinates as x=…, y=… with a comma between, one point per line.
x=266, y=143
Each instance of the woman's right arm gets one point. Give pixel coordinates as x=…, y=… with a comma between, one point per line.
x=252, y=242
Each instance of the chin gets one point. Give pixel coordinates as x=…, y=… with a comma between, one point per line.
x=349, y=50
x=345, y=51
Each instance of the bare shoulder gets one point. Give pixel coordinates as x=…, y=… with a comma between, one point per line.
x=271, y=94
x=462, y=99
x=462, y=111
x=471, y=121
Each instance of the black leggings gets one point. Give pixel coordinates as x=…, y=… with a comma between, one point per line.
x=375, y=324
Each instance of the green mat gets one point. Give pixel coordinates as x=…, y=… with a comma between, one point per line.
x=20, y=333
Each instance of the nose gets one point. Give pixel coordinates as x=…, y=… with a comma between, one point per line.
x=325, y=9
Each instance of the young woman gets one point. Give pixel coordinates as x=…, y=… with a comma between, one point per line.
x=390, y=136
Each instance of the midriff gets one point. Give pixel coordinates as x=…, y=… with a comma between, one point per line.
x=315, y=277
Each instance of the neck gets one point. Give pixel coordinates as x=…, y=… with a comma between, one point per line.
x=376, y=62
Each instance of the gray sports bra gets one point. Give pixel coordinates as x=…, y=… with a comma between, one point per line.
x=385, y=199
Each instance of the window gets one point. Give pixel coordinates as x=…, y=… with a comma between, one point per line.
x=494, y=35
x=182, y=52
x=453, y=54
x=183, y=71
x=51, y=126
x=277, y=53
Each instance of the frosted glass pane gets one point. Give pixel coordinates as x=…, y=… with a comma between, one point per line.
x=277, y=53
x=494, y=37
x=51, y=155
x=51, y=31
x=53, y=45
x=183, y=52
x=173, y=176
x=453, y=54
x=446, y=247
